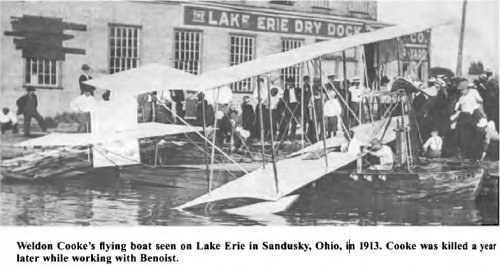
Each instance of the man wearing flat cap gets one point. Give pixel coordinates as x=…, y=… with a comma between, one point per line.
x=84, y=77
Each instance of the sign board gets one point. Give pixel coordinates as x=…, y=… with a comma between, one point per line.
x=268, y=23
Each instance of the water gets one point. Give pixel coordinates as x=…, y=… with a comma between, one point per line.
x=144, y=196
x=107, y=200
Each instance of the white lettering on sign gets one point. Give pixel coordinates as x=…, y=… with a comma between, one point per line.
x=284, y=25
x=331, y=29
x=317, y=26
x=421, y=38
x=244, y=21
x=349, y=30
x=235, y=20
x=198, y=16
x=211, y=19
x=299, y=26
x=418, y=38
x=224, y=20
x=308, y=27
x=271, y=24
x=357, y=29
x=413, y=37
x=261, y=23
x=414, y=54
x=340, y=30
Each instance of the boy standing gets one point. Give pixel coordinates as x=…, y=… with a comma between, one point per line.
x=433, y=145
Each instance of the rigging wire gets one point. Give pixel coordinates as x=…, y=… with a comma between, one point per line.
x=204, y=138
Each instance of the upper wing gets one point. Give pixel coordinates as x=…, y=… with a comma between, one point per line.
x=217, y=78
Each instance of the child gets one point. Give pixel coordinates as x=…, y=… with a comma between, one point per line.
x=433, y=145
x=332, y=110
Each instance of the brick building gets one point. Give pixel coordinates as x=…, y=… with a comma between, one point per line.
x=192, y=36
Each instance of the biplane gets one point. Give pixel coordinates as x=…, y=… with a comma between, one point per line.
x=272, y=182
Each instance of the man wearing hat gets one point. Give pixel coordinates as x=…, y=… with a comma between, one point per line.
x=470, y=101
x=488, y=72
x=247, y=115
x=261, y=90
x=432, y=88
x=27, y=105
x=84, y=77
x=315, y=111
x=276, y=106
x=467, y=114
x=291, y=102
x=356, y=90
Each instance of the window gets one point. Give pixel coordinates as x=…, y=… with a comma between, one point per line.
x=124, y=42
x=187, y=51
x=242, y=50
x=295, y=70
x=359, y=6
x=42, y=72
x=321, y=3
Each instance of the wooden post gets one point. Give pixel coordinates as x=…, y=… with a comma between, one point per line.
x=315, y=119
x=261, y=122
x=302, y=125
x=405, y=136
x=323, y=113
x=397, y=55
x=216, y=103
x=429, y=56
x=461, y=40
x=346, y=93
x=275, y=170
x=207, y=168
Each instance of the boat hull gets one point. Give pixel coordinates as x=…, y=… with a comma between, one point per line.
x=463, y=183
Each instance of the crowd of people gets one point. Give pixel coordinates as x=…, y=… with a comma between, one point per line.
x=277, y=112
x=454, y=115
x=462, y=113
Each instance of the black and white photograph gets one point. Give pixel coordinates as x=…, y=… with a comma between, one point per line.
x=249, y=113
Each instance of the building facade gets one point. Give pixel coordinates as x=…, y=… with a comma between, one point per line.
x=45, y=43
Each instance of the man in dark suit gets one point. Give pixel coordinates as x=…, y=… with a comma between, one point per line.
x=247, y=114
x=27, y=105
x=291, y=100
x=84, y=77
x=179, y=99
